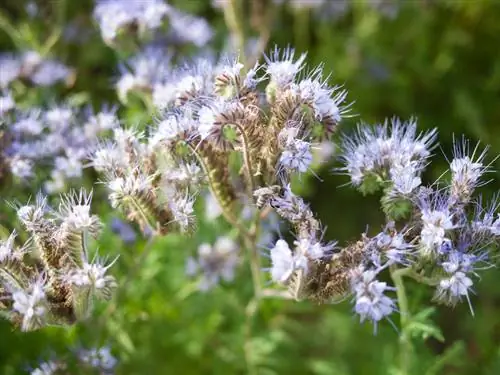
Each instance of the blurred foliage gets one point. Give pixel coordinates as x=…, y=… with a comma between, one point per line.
x=436, y=60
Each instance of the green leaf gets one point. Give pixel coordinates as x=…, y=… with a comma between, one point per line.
x=421, y=326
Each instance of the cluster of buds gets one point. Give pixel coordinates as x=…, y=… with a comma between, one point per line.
x=52, y=279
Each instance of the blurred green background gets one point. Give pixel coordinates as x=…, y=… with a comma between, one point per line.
x=436, y=60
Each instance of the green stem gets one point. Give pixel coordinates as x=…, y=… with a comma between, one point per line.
x=410, y=272
x=301, y=28
x=236, y=27
x=405, y=346
x=10, y=30
x=250, y=239
x=246, y=157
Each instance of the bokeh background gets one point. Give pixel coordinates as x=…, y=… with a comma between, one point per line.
x=437, y=60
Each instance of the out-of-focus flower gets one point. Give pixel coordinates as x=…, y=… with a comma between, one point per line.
x=214, y=262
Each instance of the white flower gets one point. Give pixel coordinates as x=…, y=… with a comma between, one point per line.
x=215, y=262
x=466, y=170
x=59, y=117
x=22, y=168
x=7, y=247
x=32, y=305
x=283, y=263
x=456, y=286
x=281, y=67
x=297, y=156
x=384, y=149
x=125, y=84
x=164, y=94
x=206, y=120
x=405, y=179
x=93, y=276
x=7, y=104
x=312, y=250
x=46, y=368
x=435, y=224
x=70, y=166
x=212, y=207
x=182, y=209
x=74, y=211
x=322, y=99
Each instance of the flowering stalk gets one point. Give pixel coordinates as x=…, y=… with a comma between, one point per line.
x=51, y=279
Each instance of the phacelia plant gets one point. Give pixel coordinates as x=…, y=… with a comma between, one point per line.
x=53, y=279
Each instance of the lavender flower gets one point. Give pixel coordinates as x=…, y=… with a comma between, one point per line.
x=31, y=66
x=215, y=262
x=297, y=156
x=457, y=283
x=57, y=139
x=116, y=16
x=437, y=220
x=7, y=103
x=144, y=71
x=281, y=67
x=466, y=171
x=98, y=358
x=370, y=301
x=186, y=28
x=375, y=155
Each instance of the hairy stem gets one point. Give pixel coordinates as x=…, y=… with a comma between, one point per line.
x=411, y=273
x=228, y=214
x=246, y=158
x=405, y=347
x=250, y=240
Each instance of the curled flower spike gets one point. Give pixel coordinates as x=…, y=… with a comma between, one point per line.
x=57, y=284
